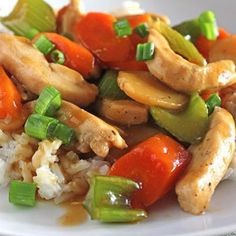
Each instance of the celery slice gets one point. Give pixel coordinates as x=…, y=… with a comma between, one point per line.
x=179, y=44
x=28, y=15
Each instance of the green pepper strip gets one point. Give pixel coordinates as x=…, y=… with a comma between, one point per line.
x=108, y=200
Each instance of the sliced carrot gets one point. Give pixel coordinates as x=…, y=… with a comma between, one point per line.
x=155, y=164
x=207, y=93
x=76, y=56
x=95, y=31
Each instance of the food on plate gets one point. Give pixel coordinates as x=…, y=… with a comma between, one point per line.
x=119, y=108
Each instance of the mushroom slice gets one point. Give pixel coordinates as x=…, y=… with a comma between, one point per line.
x=143, y=87
x=92, y=132
x=184, y=76
x=224, y=49
x=124, y=112
x=210, y=161
x=30, y=68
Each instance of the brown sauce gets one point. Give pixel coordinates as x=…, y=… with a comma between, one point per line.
x=75, y=214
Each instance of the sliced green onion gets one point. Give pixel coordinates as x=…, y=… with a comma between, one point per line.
x=40, y=127
x=145, y=51
x=28, y=15
x=208, y=25
x=179, y=44
x=122, y=28
x=64, y=133
x=213, y=101
x=44, y=45
x=58, y=57
x=49, y=102
x=189, y=29
x=22, y=193
x=142, y=30
x=31, y=34
x=109, y=198
x=108, y=86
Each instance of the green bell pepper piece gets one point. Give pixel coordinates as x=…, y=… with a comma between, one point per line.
x=189, y=125
x=213, y=101
x=108, y=200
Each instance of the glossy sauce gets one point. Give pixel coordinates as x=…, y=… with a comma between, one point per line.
x=75, y=214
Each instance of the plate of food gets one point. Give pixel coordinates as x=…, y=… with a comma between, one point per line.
x=117, y=118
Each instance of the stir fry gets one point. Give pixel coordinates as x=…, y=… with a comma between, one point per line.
x=120, y=108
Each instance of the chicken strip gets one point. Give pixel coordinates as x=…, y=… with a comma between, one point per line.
x=183, y=75
x=224, y=49
x=92, y=132
x=29, y=67
x=210, y=161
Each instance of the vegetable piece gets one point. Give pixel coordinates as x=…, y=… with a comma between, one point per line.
x=156, y=164
x=49, y=102
x=28, y=15
x=146, y=89
x=213, y=101
x=32, y=33
x=22, y=193
x=122, y=28
x=105, y=45
x=142, y=30
x=40, y=127
x=125, y=112
x=58, y=57
x=44, y=45
x=189, y=125
x=190, y=29
x=108, y=200
x=10, y=98
x=76, y=56
x=145, y=51
x=208, y=25
x=64, y=133
x=179, y=44
x=108, y=87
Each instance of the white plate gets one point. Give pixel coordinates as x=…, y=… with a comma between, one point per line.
x=165, y=218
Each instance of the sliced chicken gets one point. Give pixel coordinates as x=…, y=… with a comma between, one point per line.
x=124, y=112
x=224, y=49
x=92, y=132
x=29, y=67
x=210, y=161
x=183, y=75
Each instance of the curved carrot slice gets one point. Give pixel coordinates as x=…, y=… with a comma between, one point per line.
x=156, y=164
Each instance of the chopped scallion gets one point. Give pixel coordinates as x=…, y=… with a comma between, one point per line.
x=40, y=127
x=64, y=133
x=108, y=86
x=58, y=57
x=208, y=25
x=213, y=101
x=122, y=28
x=142, y=30
x=48, y=102
x=22, y=193
x=145, y=51
x=44, y=45
x=30, y=14
x=31, y=34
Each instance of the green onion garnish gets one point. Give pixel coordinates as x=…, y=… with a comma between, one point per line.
x=58, y=57
x=145, y=51
x=213, y=101
x=122, y=28
x=31, y=34
x=30, y=14
x=64, y=133
x=208, y=25
x=108, y=86
x=44, y=45
x=40, y=127
x=48, y=102
x=22, y=193
x=142, y=30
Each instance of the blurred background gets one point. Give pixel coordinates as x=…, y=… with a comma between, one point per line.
x=177, y=10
